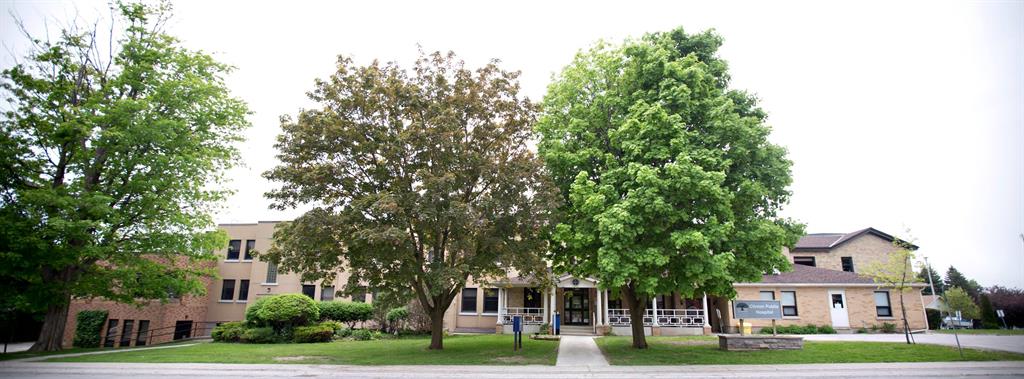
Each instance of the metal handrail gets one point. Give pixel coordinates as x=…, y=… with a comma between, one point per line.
x=193, y=331
x=665, y=317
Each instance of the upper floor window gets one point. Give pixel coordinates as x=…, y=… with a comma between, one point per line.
x=847, y=264
x=309, y=290
x=882, y=306
x=767, y=295
x=271, y=273
x=806, y=261
x=250, y=245
x=327, y=293
x=234, y=247
x=789, y=303
x=468, y=300
x=490, y=300
x=227, y=291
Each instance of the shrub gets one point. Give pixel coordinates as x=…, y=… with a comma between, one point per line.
x=544, y=328
x=862, y=330
x=347, y=312
x=323, y=332
x=88, y=326
x=826, y=329
x=260, y=335
x=286, y=311
x=228, y=332
x=365, y=335
x=888, y=327
x=335, y=326
x=343, y=333
x=252, y=314
x=398, y=314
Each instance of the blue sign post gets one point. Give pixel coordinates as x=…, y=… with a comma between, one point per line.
x=558, y=323
x=517, y=333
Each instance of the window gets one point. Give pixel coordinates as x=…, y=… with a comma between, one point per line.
x=806, y=261
x=767, y=295
x=111, y=333
x=532, y=298
x=309, y=290
x=661, y=301
x=233, y=248
x=227, y=291
x=327, y=293
x=615, y=303
x=143, y=334
x=250, y=245
x=243, y=290
x=271, y=273
x=789, y=303
x=182, y=329
x=468, y=300
x=847, y=264
x=490, y=300
x=360, y=297
x=126, y=333
x=882, y=306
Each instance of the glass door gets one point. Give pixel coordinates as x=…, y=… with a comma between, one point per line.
x=577, y=307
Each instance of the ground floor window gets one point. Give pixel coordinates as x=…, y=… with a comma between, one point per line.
x=111, y=333
x=309, y=290
x=327, y=293
x=882, y=306
x=789, y=303
x=126, y=332
x=532, y=298
x=767, y=295
x=182, y=330
x=227, y=290
x=468, y=300
x=143, y=335
x=490, y=300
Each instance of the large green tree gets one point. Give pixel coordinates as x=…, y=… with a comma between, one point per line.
x=418, y=178
x=670, y=181
x=936, y=279
x=110, y=159
x=954, y=278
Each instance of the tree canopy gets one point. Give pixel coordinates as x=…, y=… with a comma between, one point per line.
x=418, y=178
x=954, y=278
x=936, y=279
x=956, y=299
x=669, y=179
x=110, y=162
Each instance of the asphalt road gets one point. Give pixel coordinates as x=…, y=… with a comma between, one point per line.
x=193, y=371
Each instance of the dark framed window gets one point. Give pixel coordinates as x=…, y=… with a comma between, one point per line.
x=243, y=290
x=126, y=332
x=767, y=295
x=883, y=308
x=468, y=300
x=806, y=261
x=182, y=329
x=360, y=297
x=271, y=273
x=661, y=301
x=327, y=293
x=532, y=298
x=847, y=264
x=789, y=303
x=490, y=300
x=143, y=334
x=309, y=290
x=234, y=246
x=111, y=337
x=227, y=291
x=615, y=303
x=250, y=246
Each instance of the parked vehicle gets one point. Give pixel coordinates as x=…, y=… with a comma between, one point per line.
x=958, y=323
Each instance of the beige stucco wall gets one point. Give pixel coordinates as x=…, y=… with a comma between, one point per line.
x=813, y=307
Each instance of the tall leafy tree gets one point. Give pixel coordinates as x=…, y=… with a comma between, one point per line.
x=419, y=179
x=989, y=319
x=669, y=179
x=110, y=157
x=896, y=272
x=1011, y=301
x=954, y=278
x=957, y=299
x=936, y=280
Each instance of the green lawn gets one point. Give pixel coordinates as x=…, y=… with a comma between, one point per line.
x=995, y=332
x=27, y=354
x=704, y=350
x=458, y=350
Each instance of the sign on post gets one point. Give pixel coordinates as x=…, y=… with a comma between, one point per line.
x=757, y=309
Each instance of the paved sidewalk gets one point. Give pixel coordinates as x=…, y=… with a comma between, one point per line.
x=579, y=351
x=111, y=351
x=1014, y=344
x=246, y=371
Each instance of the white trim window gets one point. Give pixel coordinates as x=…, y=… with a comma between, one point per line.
x=271, y=273
x=883, y=307
x=234, y=248
x=468, y=303
x=490, y=301
x=767, y=295
x=789, y=308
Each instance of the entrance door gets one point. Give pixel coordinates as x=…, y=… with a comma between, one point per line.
x=182, y=329
x=840, y=316
x=577, y=307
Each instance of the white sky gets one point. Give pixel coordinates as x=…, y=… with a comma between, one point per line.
x=896, y=114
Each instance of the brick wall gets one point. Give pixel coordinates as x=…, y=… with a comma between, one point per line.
x=813, y=306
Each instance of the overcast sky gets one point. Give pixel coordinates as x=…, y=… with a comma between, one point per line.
x=896, y=114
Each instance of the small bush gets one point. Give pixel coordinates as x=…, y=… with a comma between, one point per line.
x=287, y=311
x=228, y=332
x=252, y=314
x=798, y=329
x=888, y=327
x=317, y=333
x=365, y=335
x=335, y=326
x=398, y=314
x=344, y=333
x=260, y=335
x=347, y=312
x=862, y=330
x=826, y=329
x=545, y=328
x=88, y=326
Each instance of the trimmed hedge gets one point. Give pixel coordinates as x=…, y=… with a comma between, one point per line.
x=89, y=325
x=284, y=311
x=798, y=329
x=346, y=312
x=228, y=332
x=316, y=333
x=260, y=335
x=398, y=314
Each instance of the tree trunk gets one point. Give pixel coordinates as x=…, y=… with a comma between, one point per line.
x=637, y=308
x=51, y=337
x=906, y=325
x=437, y=328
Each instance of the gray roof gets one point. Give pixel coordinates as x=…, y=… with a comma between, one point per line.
x=827, y=241
x=808, y=274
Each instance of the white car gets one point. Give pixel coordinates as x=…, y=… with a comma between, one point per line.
x=959, y=323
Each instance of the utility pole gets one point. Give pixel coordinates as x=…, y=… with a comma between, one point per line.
x=930, y=284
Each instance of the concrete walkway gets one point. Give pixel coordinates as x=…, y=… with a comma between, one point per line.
x=18, y=347
x=579, y=351
x=109, y=351
x=48, y=370
x=1014, y=344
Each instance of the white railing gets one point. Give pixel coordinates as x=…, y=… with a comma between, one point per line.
x=666, y=317
x=531, y=316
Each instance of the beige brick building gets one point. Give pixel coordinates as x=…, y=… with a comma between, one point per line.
x=831, y=292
